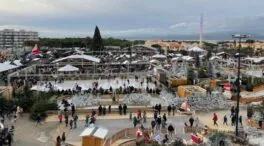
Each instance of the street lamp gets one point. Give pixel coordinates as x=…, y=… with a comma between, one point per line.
x=239, y=37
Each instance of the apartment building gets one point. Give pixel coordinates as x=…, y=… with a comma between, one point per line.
x=11, y=38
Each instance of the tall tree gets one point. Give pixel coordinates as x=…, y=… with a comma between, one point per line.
x=97, y=43
x=209, y=54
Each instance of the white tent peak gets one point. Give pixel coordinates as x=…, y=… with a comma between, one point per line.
x=68, y=67
x=196, y=49
x=86, y=57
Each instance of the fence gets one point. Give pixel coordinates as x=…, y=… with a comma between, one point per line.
x=128, y=133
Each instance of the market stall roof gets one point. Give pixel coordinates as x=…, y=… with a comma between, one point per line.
x=214, y=57
x=68, y=68
x=98, y=132
x=17, y=62
x=188, y=58
x=86, y=57
x=196, y=49
x=5, y=67
x=159, y=56
x=255, y=59
x=154, y=61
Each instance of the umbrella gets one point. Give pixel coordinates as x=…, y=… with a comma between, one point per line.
x=185, y=106
x=68, y=68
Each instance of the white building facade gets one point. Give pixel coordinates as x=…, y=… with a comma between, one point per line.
x=10, y=38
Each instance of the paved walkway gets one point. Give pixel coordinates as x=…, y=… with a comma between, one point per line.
x=27, y=134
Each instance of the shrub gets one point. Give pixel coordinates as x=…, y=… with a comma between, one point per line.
x=41, y=108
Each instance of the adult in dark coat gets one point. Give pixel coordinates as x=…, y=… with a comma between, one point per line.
x=120, y=109
x=100, y=110
x=125, y=109
x=191, y=120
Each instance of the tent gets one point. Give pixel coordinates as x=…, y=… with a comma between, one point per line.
x=154, y=61
x=185, y=106
x=68, y=68
x=5, y=67
x=159, y=56
x=196, y=49
x=35, y=50
x=84, y=57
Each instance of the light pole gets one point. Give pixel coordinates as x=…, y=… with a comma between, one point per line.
x=239, y=37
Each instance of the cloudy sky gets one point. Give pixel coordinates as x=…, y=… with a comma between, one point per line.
x=132, y=18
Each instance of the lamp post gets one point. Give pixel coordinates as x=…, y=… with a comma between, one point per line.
x=239, y=37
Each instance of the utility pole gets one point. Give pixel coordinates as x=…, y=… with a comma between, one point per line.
x=239, y=37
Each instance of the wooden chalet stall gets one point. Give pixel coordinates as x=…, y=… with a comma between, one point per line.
x=189, y=90
x=93, y=136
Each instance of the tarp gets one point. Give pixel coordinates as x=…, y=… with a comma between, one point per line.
x=5, y=67
x=68, y=68
x=185, y=106
x=35, y=50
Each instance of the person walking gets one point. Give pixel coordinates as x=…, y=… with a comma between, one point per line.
x=75, y=118
x=104, y=110
x=169, y=109
x=225, y=120
x=240, y=120
x=159, y=108
x=164, y=117
x=73, y=109
x=120, y=109
x=158, y=122
x=233, y=120
x=38, y=120
x=109, y=109
x=171, y=130
x=215, y=118
x=153, y=124
x=232, y=111
x=191, y=120
x=135, y=121
x=66, y=121
x=125, y=109
x=100, y=109
x=173, y=109
x=60, y=116
x=71, y=123
x=144, y=116
x=58, y=141
x=63, y=138
x=87, y=121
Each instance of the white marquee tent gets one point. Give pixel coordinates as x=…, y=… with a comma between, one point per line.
x=196, y=49
x=68, y=68
x=85, y=57
x=5, y=67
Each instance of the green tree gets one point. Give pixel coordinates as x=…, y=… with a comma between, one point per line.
x=190, y=76
x=209, y=54
x=197, y=60
x=97, y=43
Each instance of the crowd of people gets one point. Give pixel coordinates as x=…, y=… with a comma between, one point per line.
x=7, y=128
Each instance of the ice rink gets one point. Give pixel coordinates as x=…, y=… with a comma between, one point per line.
x=86, y=84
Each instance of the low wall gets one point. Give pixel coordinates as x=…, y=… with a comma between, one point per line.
x=258, y=88
x=124, y=133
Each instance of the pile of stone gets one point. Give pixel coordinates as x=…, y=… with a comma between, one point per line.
x=255, y=136
x=84, y=100
x=137, y=99
x=197, y=102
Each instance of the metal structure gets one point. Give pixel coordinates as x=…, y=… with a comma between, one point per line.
x=239, y=37
x=201, y=30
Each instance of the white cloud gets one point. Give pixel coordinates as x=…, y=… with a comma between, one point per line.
x=184, y=25
x=177, y=25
